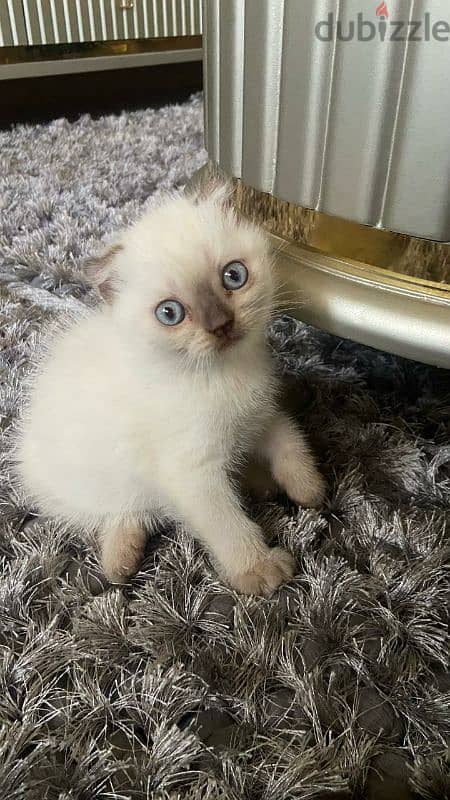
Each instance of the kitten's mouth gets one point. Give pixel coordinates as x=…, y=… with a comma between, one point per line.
x=225, y=342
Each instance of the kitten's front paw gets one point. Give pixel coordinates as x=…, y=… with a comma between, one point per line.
x=306, y=488
x=266, y=574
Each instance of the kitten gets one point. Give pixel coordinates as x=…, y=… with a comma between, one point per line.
x=144, y=406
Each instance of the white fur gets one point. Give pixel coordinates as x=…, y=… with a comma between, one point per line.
x=129, y=418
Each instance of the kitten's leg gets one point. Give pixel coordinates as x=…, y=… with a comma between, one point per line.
x=122, y=549
x=292, y=463
x=210, y=509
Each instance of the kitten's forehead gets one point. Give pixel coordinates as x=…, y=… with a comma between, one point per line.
x=184, y=244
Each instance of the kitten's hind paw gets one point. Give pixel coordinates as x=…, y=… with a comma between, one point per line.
x=122, y=551
x=266, y=574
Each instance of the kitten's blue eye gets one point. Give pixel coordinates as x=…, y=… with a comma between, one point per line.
x=170, y=312
x=234, y=275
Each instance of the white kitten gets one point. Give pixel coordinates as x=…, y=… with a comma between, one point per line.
x=145, y=405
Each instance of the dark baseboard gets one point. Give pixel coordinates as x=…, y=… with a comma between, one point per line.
x=31, y=100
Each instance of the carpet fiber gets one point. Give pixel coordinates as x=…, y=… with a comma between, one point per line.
x=174, y=687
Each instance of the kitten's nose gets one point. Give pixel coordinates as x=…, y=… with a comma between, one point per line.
x=216, y=318
x=224, y=330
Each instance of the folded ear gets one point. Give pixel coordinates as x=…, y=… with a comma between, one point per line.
x=213, y=189
x=101, y=272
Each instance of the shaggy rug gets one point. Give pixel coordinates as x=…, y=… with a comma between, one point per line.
x=174, y=687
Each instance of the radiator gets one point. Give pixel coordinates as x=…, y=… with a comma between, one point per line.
x=359, y=129
x=43, y=22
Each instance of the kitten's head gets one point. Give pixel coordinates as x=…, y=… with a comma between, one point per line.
x=191, y=277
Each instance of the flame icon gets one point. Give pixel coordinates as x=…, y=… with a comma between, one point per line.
x=382, y=10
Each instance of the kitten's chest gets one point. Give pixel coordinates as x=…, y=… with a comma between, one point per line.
x=199, y=419
x=232, y=410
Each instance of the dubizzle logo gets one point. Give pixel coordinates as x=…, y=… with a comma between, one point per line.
x=384, y=29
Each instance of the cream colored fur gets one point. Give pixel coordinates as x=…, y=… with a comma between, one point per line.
x=152, y=419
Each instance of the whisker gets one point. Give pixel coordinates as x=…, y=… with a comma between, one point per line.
x=279, y=248
x=258, y=309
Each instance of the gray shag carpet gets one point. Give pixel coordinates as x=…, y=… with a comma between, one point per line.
x=174, y=687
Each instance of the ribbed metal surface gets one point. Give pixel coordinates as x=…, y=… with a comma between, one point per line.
x=12, y=23
x=40, y=22
x=358, y=129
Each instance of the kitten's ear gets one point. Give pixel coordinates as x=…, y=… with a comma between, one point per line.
x=214, y=189
x=101, y=273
